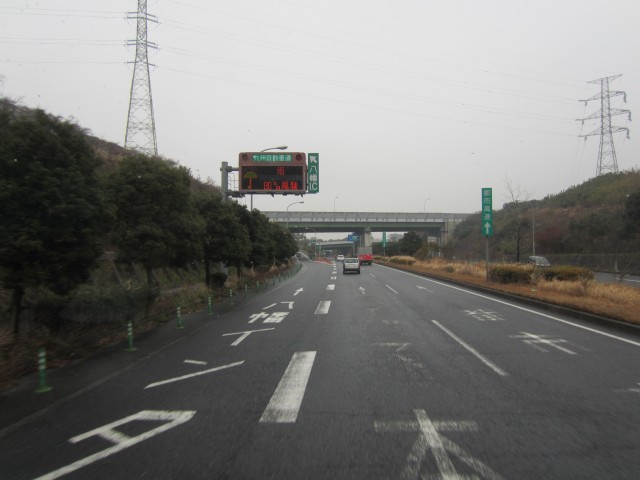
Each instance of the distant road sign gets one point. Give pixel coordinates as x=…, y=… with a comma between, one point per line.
x=313, y=173
x=487, y=212
x=273, y=173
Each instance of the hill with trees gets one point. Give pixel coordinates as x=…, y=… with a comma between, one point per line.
x=67, y=197
x=597, y=221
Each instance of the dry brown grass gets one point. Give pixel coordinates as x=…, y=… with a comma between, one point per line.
x=610, y=300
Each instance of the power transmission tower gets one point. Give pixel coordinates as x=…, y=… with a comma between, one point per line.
x=141, y=127
x=607, y=161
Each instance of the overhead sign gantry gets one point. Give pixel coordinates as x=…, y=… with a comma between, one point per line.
x=273, y=173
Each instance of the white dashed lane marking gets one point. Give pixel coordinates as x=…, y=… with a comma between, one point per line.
x=287, y=399
x=323, y=307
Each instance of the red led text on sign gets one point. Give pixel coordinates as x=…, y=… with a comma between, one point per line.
x=272, y=178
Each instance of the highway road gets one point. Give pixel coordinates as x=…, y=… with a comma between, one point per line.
x=329, y=376
x=628, y=280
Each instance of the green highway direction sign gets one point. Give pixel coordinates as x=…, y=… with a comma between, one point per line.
x=313, y=173
x=487, y=212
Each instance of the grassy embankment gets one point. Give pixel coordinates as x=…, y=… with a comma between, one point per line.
x=611, y=300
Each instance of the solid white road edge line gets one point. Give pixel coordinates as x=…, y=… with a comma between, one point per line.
x=286, y=400
x=472, y=350
x=551, y=317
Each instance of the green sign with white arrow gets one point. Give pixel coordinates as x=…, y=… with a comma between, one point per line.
x=487, y=212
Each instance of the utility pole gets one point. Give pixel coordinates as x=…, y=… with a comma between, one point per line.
x=141, y=127
x=607, y=161
x=225, y=169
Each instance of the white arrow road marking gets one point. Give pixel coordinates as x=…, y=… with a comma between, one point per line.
x=536, y=340
x=429, y=439
x=122, y=441
x=391, y=289
x=362, y=290
x=290, y=304
x=483, y=315
x=298, y=291
x=195, y=362
x=244, y=335
x=287, y=399
x=323, y=307
x=331, y=286
x=191, y=375
x=420, y=287
x=629, y=390
x=473, y=351
x=400, y=348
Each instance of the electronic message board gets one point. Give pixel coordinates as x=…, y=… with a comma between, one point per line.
x=273, y=173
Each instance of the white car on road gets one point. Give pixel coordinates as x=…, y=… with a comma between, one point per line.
x=351, y=265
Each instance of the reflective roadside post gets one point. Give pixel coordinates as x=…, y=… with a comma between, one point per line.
x=42, y=372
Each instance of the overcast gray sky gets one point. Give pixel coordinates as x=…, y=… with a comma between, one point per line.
x=413, y=105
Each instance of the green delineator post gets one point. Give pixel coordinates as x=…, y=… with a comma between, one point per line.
x=209, y=307
x=42, y=372
x=179, y=319
x=130, y=347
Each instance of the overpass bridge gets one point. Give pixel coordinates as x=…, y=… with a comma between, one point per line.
x=439, y=225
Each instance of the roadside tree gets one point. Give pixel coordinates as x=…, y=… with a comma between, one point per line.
x=51, y=204
x=410, y=243
x=284, y=242
x=157, y=222
x=225, y=240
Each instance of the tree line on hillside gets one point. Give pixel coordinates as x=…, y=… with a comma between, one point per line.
x=411, y=243
x=600, y=216
x=60, y=212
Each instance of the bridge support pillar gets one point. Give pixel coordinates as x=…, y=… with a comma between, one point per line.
x=366, y=244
